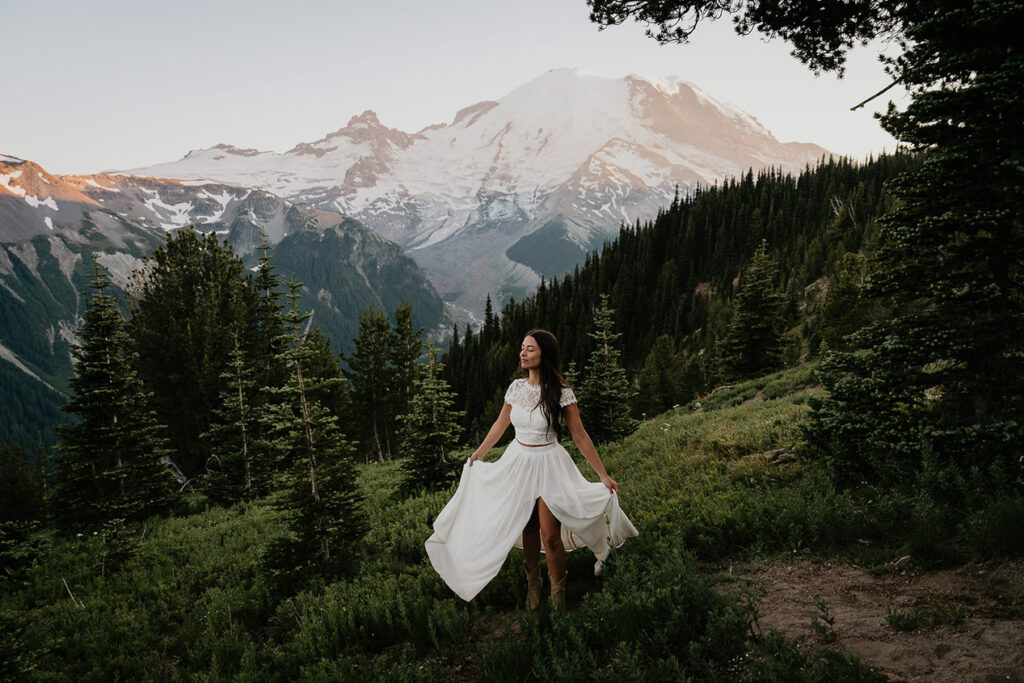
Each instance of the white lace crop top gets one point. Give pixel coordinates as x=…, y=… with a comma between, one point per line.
x=527, y=415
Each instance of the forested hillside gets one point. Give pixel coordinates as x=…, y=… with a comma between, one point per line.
x=677, y=275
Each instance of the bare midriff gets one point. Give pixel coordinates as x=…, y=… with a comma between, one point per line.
x=534, y=445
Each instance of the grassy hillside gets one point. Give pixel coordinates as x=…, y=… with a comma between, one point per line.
x=184, y=598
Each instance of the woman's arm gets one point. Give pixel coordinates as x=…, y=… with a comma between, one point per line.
x=586, y=445
x=497, y=429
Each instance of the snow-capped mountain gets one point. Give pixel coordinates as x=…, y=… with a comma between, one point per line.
x=51, y=225
x=518, y=188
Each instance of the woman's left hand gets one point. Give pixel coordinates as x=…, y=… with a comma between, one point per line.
x=610, y=483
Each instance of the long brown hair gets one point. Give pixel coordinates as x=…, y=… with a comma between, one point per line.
x=551, y=380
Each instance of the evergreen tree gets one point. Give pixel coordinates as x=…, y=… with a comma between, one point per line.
x=572, y=375
x=945, y=375
x=322, y=503
x=41, y=472
x=21, y=498
x=322, y=368
x=844, y=310
x=406, y=349
x=491, y=327
x=692, y=383
x=661, y=380
x=187, y=304
x=604, y=391
x=371, y=375
x=237, y=468
x=753, y=344
x=262, y=347
x=21, y=510
x=110, y=466
x=265, y=344
x=430, y=431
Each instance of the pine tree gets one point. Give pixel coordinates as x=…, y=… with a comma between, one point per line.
x=406, y=349
x=267, y=326
x=945, y=375
x=491, y=327
x=187, y=303
x=41, y=472
x=237, y=468
x=430, y=431
x=21, y=511
x=20, y=495
x=371, y=375
x=660, y=382
x=844, y=311
x=572, y=375
x=110, y=461
x=605, y=392
x=753, y=345
x=322, y=503
x=322, y=368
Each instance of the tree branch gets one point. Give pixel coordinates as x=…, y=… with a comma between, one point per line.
x=877, y=94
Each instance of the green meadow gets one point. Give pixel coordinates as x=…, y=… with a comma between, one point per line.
x=708, y=485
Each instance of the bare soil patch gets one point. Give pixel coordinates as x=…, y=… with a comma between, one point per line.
x=987, y=600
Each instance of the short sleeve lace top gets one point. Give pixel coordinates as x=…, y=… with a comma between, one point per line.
x=527, y=416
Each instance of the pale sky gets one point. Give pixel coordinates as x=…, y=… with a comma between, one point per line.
x=117, y=84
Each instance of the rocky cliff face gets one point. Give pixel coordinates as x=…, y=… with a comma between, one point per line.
x=520, y=187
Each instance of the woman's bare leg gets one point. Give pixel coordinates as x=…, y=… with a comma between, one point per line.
x=551, y=534
x=531, y=540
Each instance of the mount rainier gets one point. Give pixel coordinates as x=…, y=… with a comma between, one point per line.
x=514, y=189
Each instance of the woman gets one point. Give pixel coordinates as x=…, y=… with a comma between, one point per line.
x=533, y=492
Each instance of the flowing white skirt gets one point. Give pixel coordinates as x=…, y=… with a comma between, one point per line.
x=485, y=518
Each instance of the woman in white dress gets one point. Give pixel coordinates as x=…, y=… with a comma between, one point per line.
x=533, y=493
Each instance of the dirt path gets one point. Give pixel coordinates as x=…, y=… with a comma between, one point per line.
x=986, y=599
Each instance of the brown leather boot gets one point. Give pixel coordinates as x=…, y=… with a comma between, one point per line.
x=558, y=592
x=534, y=586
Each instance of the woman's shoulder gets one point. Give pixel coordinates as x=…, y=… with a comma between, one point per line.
x=568, y=396
x=513, y=389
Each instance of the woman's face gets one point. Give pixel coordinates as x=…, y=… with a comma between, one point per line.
x=529, y=355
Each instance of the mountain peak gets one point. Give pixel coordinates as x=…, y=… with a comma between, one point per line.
x=367, y=119
x=563, y=77
x=568, y=72
x=364, y=128
x=585, y=151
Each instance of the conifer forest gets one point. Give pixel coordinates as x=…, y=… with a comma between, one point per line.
x=827, y=365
